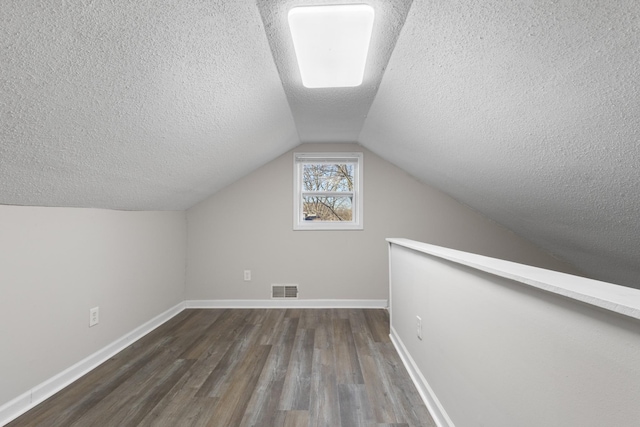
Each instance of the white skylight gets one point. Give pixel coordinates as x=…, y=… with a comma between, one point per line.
x=331, y=43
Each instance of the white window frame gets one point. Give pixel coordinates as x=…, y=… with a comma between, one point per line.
x=299, y=159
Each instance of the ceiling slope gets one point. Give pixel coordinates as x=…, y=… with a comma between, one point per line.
x=529, y=112
x=135, y=105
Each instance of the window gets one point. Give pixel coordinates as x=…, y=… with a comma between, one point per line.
x=327, y=191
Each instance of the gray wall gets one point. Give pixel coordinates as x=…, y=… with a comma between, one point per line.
x=57, y=263
x=499, y=353
x=248, y=225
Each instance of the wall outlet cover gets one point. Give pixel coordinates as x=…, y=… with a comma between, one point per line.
x=94, y=316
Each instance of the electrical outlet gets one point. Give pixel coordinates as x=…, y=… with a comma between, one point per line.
x=94, y=316
x=419, y=327
x=247, y=275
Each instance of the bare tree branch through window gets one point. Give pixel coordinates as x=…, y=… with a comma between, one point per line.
x=328, y=178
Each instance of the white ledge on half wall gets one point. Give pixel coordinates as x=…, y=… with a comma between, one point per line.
x=616, y=298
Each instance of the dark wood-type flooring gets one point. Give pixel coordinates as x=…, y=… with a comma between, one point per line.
x=276, y=367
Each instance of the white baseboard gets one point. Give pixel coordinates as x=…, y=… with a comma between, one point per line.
x=288, y=303
x=426, y=392
x=21, y=404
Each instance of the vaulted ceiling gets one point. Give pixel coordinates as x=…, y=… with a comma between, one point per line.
x=527, y=111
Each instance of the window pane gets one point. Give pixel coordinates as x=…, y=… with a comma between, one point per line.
x=327, y=208
x=327, y=177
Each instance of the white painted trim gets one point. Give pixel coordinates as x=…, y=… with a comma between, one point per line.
x=390, y=285
x=21, y=404
x=288, y=303
x=426, y=392
x=616, y=298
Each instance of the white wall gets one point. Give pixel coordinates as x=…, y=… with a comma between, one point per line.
x=499, y=353
x=56, y=263
x=249, y=225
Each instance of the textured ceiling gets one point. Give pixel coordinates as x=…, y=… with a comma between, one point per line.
x=135, y=104
x=529, y=112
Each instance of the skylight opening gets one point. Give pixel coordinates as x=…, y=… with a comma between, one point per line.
x=331, y=43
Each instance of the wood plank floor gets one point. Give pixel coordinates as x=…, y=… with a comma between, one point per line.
x=315, y=367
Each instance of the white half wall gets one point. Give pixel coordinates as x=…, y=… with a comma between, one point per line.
x=57, y=263
x=507, y=346
x=249, y=225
